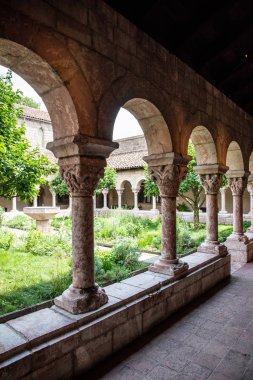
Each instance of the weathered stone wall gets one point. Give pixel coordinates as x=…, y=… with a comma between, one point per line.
x=89, y=61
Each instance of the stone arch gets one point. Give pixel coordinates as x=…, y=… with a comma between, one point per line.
x=204, y=146
x=234, y=159
x=121, y=183
x=139, y=182
x=147, y=104
x=54, y=75
x=127, y=194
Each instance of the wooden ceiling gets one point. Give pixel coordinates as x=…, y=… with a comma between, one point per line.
x=214, y=37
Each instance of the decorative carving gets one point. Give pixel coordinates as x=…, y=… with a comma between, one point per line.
x=81, y=180
x=211, y=182
x=250, y=187
x=237, y=185
x=168, y=178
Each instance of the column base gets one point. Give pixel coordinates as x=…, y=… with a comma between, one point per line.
x=78, y=301
x=214, y=248
x=175, y=268
x=240, y=248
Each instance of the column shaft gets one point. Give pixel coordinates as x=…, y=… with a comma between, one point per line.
x=211, y=218
x=237, y=215
x=83, y=242
x=169, y=229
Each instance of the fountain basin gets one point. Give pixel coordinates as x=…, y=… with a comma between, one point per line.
x=42, y=215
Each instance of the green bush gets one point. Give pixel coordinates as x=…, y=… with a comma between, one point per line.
x=126, y=253
x=106, y=259
x=47, y=245
x=21, y=222
x=6, y=240
x=182, y=207
x=98, y=266
x=59, y=223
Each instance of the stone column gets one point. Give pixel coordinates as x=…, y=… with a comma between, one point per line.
x=153, y=203
x=35, y=202
x=105, y=193
x=223, y=200
x=81, y=175
x=212, y=183
x=94, y=201
x=53, y=198
x=14, y=204
x=250, y=190
x=136, y=191
x=120, y=192
x=168, y=175
x=237, y=186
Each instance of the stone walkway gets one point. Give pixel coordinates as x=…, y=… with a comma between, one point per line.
x=210, y=339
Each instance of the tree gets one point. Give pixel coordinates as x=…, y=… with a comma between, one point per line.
x=21, y=167
x=151, y=188
x=191, y=189
x=58, y=186
x=26, y=101
x=108, y=181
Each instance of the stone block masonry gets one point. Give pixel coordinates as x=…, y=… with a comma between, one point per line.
x=55, y=344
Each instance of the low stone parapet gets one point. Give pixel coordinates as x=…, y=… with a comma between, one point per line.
x=54, y=344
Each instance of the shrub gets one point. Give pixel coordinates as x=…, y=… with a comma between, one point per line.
x=106, y=259
x=59, y=223
x=125, y=253
x=47, y=245
x=21, y=222
x=6, y=240
x=98, y=266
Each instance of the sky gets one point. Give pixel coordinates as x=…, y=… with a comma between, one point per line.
x=125, y=124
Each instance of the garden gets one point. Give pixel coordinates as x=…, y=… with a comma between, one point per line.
x=35, y=267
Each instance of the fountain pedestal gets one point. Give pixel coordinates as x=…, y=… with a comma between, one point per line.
x=42, y=215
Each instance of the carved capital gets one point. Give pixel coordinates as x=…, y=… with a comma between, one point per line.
x=250, y=187
x=211, y=182
x=237, y=185
x=81, y=174
x=168, y=178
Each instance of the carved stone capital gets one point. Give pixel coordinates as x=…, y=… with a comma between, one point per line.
x=81, y=174
x=211, y=182
x=237, y=185
x=250, y=187
x=168, y=178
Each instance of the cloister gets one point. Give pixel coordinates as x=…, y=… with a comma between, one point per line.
x=86, y=61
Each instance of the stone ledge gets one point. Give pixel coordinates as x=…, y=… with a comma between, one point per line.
x=150, y=298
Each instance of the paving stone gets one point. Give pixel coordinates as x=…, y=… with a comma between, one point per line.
x=124, y=291
x=162, y=373
x=207, y=360
x=38, y=326
x=10, y=342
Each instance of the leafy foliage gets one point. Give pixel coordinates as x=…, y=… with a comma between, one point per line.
x=21, y=168
x=59, y=186
x=150, y=187
x=190, y=188
x=26, y=101
x=108, y=181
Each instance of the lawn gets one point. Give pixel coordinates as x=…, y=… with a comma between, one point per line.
x=36, y=267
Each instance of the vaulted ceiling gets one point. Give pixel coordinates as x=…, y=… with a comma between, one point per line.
x=214, y=37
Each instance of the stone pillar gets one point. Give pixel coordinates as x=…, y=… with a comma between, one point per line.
x=168, y=174
x=153, y=203
x=53, y=199
x=105, y=193
x=223, y=200
x=35, y=202
x=136, y=191
x=120, y=192
x=94, y=201
x=237, y=186
x=81, y=175
x=14, y=204
x=250, y=190
x=212, y=183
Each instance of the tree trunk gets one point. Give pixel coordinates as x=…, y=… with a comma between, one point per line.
x=196, y=216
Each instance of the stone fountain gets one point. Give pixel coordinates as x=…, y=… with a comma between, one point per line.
x=42, y=215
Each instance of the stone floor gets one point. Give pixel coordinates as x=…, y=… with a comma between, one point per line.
x=210, y=339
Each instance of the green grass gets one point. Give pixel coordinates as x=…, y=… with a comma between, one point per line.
x=26, y=279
